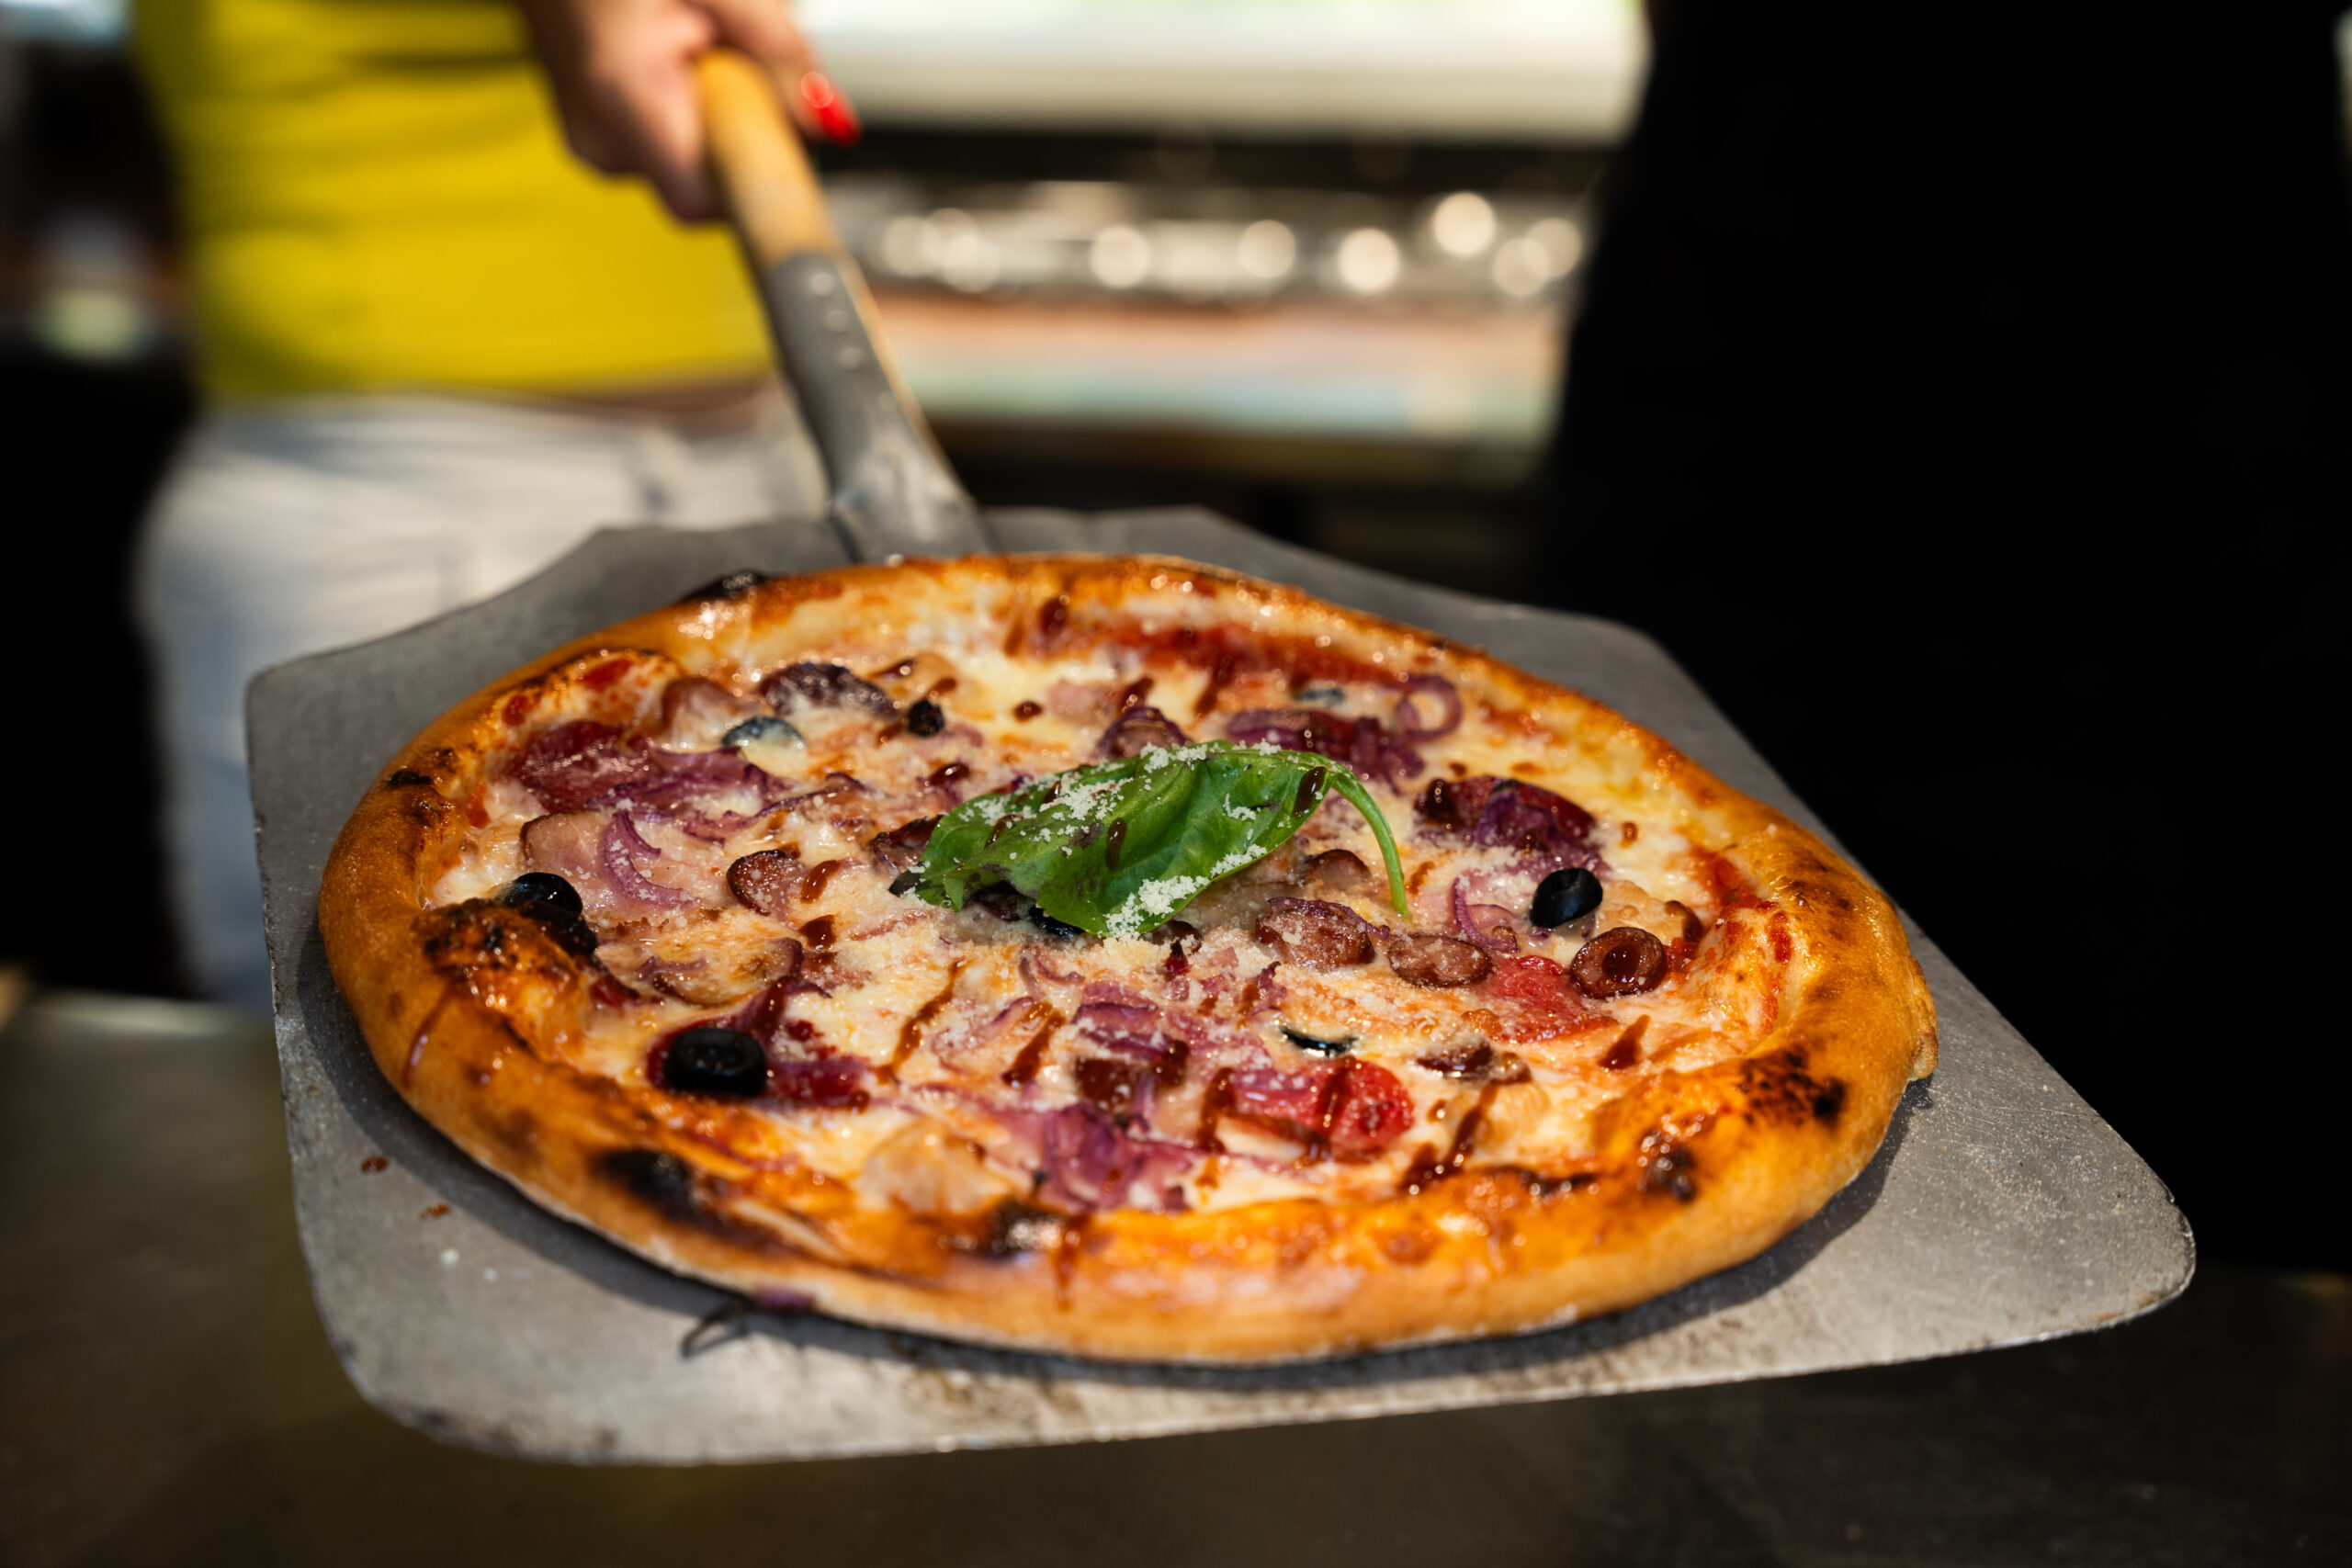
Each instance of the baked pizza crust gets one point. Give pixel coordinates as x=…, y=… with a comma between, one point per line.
x=1693, y=1172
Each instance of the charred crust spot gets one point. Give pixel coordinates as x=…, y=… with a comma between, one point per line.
x=1667, y=1167
x=663, y=1182
x=676, y=1192
x=1539, y=1185
x=1818, y=895
x=407, y=778
x=1779, y=1090
x=1409, y=1245
x=1015, y=1228
x=478, y=939
x=519, y=1132
x=734, y=585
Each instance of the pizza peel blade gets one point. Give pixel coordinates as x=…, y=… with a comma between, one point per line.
x=2000, y=1209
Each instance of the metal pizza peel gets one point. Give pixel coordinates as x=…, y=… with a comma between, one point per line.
x=2000, y=1209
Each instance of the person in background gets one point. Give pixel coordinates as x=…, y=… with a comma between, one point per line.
x=440, y=342
x=1963, y=395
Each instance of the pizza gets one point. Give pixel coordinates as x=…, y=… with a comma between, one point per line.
x=1113, y=956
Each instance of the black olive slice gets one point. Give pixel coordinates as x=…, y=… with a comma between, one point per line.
x=555, y=905
x=1051, y=927
x=925, y=718
x=714, y=1061
x=1337, y=1046
x=541, y=887
x=1569, y=894
x=734, y=585
x=764, y=729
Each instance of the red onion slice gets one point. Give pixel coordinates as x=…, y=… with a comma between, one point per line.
x=1449, y=703
x=622, y=844
x=1476, y=923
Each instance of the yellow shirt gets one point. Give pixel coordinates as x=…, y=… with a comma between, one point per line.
x=376, y=194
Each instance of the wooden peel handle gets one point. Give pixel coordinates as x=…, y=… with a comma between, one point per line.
x=893, y=492
x=763, y=173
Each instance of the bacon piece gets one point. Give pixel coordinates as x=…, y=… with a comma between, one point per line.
x=1122, y=1025
x=1262, y=992
x=696, y=711
x=1139, y=1032
x=1077, y=701
x=568, y=844
x=583, y=764
x=827, y=1078
x=1108, y=1084
x=1087, y=1163
x=576, y=765
x=674, y=778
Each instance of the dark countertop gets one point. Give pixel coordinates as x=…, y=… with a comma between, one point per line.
x=166, y=1395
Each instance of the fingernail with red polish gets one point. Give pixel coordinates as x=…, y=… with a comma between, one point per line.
x=835, y=117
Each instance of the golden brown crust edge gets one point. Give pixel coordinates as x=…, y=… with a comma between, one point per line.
x=1698, y=1172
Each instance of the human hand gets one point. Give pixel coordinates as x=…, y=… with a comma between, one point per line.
x=623, y=75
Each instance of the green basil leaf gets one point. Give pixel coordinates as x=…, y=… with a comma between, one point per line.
x=1118, y=848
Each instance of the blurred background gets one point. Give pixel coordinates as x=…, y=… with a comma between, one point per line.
x=1962, y=399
